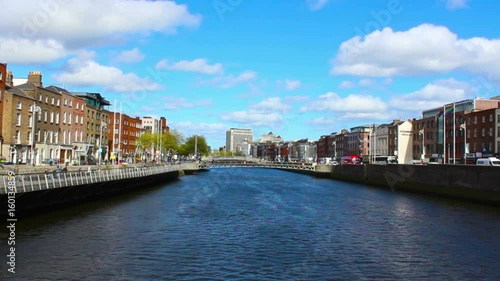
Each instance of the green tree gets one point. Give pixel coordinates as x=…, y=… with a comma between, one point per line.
x=189, y=146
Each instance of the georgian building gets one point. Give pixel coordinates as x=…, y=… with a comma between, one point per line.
x=96, y=132
x=17, y=123
x=46, y=126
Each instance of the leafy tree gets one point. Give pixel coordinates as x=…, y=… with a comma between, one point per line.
x=189, y=146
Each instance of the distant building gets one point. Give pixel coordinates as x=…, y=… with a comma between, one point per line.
x=235, y=137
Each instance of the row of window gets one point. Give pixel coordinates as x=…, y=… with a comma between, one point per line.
x=56, y=102
x=53, y=118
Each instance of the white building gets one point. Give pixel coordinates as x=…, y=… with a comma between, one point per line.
x=236, y=137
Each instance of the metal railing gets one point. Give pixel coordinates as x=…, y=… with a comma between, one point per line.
x=259, y=165
x=35, y=182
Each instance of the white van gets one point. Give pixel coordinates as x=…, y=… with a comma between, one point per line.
x=490, y=161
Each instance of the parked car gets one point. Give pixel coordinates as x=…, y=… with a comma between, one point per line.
x=490, y=161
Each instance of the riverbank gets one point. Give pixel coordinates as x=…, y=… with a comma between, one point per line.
x=36, y=191
x=466, y=182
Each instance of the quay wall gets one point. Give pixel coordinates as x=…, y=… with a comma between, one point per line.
x=28, y=203
x=469, y=182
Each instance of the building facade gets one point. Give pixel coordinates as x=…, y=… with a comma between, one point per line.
x=234, y=137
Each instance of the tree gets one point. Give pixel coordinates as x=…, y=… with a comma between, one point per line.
x=189, y=146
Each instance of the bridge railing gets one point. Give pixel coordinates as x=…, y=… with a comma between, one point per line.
x=36, y=182
x=285, y=166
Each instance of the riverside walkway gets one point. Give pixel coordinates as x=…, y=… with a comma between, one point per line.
x=45, y=181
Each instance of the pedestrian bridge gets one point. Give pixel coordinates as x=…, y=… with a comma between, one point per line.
x=284, y=166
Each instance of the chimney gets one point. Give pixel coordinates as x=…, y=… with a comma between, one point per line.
x=8, y=80
x=35, y=77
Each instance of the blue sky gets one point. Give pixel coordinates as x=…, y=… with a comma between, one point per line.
x=300, y=68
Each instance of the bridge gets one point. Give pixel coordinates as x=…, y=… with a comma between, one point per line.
x=236, y=164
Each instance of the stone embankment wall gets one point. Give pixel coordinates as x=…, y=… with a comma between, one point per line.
x=470, y=182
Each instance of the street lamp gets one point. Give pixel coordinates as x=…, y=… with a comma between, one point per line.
x=100, y=141
x=334, y=144
x=1, y=149
x=36, y=109
x=464, y=127
x=421, y=132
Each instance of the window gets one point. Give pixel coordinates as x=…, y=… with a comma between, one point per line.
x=491, y=132
x=30, y=121
x=58, y=102
x=81, y=119
x=38, y=135
x=491, y=117
x=69, y=137
x=70, y=103
x=18, y=119
x=76, y=135
x=490, y=146
x=483, y=119
x=77, y=105
x=475, y=132
x=46, y=99
x=57, y=118
x=39, y=115
x=29, y=138
x=475, y=120
x=45, y=116
x=483, y=131
x=19, y=105
x=40, y=98
x=53, y=101
x=64, y=137
x=64, y=118
x=18, y=137
x=65, y=102
x=69, y=119
x=52, y=117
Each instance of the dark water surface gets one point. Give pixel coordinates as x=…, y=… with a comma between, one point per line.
x=257, y=224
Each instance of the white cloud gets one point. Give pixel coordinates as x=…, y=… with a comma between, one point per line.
x=200, y=128
x=346, y=85
x=198, y=65
x=367, y=82
x=456, y=4
x=231, y=80
x=291, y=85
x=254, y=118
x=63, y=27
x=172, y=103
x=130, y=56
x=26, y=51
x=322, y=121
x=433, y=95
x=316, y=5
x=84, y=71
x=352, y=103
x=424, y=49
x=271, y=105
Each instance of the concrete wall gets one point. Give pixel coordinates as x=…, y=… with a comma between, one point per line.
x=470, y=182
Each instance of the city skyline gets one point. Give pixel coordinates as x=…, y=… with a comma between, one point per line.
x=316, y=68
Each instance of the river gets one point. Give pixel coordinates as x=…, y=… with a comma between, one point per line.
x=259, y=224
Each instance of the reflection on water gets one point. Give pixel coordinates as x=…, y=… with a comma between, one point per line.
x=257, y=224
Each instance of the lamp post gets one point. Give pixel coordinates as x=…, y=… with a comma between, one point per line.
x=464, y=127
x=100, y=141
x=36, y=109
x=1, y=148
x=421, y=132
x=334, y=144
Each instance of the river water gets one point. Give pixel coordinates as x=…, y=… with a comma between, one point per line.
x=258, y=224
